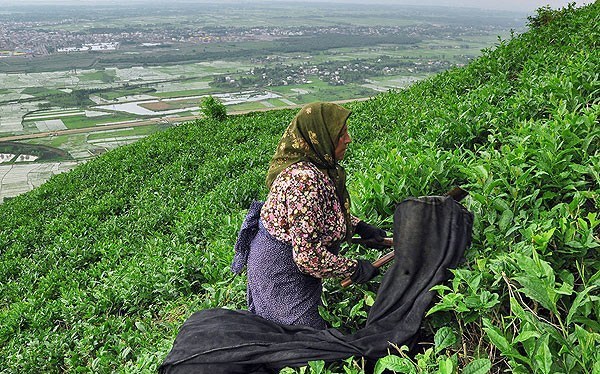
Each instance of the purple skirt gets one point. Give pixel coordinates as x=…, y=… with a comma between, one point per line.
x=276, y=290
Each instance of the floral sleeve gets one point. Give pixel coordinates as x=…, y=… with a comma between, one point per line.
x=307, y=223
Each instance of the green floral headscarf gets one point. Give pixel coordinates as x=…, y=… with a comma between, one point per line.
x=313, y=136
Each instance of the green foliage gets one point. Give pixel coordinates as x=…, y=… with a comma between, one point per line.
x=106, y=76
x=480, y=366
x=76, y=98
x=100, y=266
x=545, y=15
x=213, y=108
x=394, y=363
x=44, y=153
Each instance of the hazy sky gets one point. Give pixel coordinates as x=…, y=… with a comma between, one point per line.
x=517, y=5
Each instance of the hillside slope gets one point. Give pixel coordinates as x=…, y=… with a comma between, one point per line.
x=101, y=265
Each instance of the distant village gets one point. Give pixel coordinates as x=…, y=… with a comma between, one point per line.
x=18, y=39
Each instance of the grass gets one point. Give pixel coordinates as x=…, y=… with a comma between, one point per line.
x=195, y=92
x=278, y=102
x=138, y=130
x=106, y=76
x=111, y=95
x=78, y=122
x=55, y=62
x=41, y=91
x=245, y=106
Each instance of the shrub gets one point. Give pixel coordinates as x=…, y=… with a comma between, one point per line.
x=213, y=108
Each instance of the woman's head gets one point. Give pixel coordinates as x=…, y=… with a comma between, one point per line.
x=317, y=134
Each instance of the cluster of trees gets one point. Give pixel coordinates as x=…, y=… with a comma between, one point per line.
x=81, y=98
x=44, y=153
x=171, y=57
x=360, y=69
x=332, y=72
x=76, y=98
x=328, y=41
x=294, y=44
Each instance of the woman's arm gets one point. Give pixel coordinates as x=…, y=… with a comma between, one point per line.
x=305, y=202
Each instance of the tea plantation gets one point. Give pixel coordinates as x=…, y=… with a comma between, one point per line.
x=100, y=266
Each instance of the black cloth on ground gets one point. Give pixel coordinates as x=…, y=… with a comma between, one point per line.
x=431, y=234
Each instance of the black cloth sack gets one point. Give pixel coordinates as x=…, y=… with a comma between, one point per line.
x=431, y=234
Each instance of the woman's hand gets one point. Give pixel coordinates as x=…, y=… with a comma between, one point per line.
x=371, y=232
x=364, y=272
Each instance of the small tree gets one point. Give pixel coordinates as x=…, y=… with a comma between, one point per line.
x=545, y=15
x=213, y=108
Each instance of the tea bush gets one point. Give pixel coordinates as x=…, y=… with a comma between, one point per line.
x=100, y=266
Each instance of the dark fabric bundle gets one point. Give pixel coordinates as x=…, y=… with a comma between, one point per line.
x=431, y=234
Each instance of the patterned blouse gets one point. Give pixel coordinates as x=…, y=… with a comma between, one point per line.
x=302, y=209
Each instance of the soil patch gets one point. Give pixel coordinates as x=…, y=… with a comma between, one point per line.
x=157, y=106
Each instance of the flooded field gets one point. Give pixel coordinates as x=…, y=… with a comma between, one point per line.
x=16, y=179
x=50, y=125
x=11, y=116
x=5, y=157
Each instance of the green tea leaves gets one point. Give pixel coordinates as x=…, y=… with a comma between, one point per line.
x=538, y=281
x=394, y=363
x=479, y=366
x=444, y=338
x=543, y=356
x=497, y=338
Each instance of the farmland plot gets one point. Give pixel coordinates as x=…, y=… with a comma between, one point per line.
x=5, y=157
x=53, y=114
x=156, y=107
x=11, y=116
x=51, y=79
x=50, y=125
x=391, y=82
x=181, y=86
x=139, y=73
x=16, y=179
x=95, y=113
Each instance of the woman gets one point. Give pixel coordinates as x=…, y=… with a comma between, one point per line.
x=291, y=242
